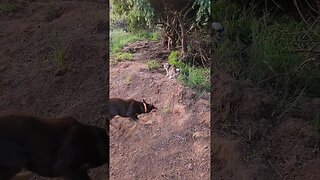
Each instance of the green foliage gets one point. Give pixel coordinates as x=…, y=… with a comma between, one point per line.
x=153, y=64
x=138, y=14
x=7, y=6
x=204, y=10
x=263, y=50
x=120, y=38
x=174, y=58
x=196, y=78
x=142, y=14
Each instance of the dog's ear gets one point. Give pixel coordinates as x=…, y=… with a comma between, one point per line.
x=143, y=101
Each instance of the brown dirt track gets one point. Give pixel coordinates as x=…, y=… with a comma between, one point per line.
x=29, y=77
x=171, y=143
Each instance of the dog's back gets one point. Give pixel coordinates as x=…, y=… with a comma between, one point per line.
x=49, y=147
x=128, y=108
x=119, y=106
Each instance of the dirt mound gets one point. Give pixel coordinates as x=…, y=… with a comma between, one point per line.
x=249, y=143
x=174, y=141
x=30, y=79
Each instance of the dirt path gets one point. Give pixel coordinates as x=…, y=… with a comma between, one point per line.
x=29, y=78
x=174, y=142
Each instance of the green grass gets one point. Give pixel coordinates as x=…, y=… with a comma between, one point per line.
x=119, y=39
x=7, y=7
x=58, y=51
x=197, y=78
x=128, y=80
x=120, y=56
x=262, y=49
x=153, y=64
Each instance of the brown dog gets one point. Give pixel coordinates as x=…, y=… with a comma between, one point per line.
x=128, y=108
x=50, y=147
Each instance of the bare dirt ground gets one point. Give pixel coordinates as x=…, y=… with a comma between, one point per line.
x=171, y=143
x=29, y=77
x=249, y=143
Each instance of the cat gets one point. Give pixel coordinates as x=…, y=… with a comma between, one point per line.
x=172, y=71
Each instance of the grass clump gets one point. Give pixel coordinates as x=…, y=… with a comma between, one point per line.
x=58, y=52
x=266, y=51
x=7, y=7
x=122, y=56
x=153, y=64
x=120, y=38
x=197, y=78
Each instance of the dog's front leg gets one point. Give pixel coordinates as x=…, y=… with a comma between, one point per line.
x=134, y=118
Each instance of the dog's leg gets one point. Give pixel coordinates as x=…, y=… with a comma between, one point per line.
x=78, y=175
x=134, y=118
x=11, y=159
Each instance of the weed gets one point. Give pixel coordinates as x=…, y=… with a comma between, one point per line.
x=7, y=7
x=58, y=52
x=174, y=58
x=263, y=50
x=153, y=64
x=122, y=56
x=197, y=78
x=166, y=110
x=128, y=80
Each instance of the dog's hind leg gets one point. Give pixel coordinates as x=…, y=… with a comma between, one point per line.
x=11, y=159
x=77, y=175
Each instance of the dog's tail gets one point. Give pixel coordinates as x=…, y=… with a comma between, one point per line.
x=219, y=33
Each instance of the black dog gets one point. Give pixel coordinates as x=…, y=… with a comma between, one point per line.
x=128, y=108
x=50, y=147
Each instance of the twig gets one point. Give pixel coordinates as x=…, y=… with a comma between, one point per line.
x=304, y=20
x=274, y=168
x=306, y=50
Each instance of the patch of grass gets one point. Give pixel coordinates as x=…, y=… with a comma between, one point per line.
x=153, y=64
x=197, y=78
x=7, y=7
x=166, y=110
x=58, y=52
x=122, y=56
x=120, y=38
x=263, y=49
x=128, y=80
x=174, y=58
